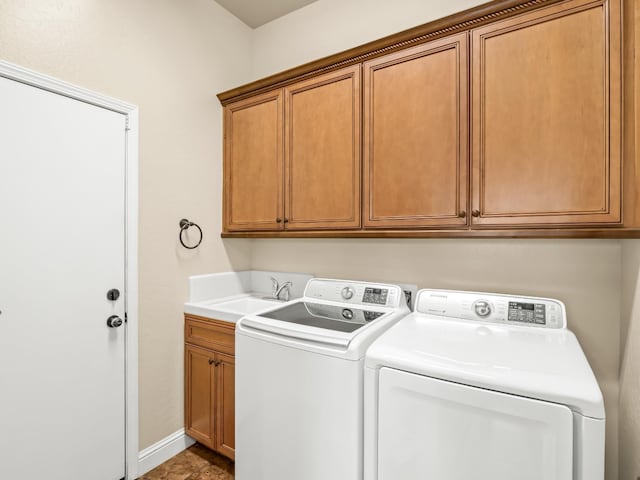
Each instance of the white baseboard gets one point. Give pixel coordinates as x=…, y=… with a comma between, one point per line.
x=160, y=452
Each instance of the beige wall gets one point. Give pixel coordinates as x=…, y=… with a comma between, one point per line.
x=630, y=367
x=629, y=435
x=330, y=26
x=584, y=274
x=169, y=57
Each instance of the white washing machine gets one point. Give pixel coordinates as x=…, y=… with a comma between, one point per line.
x=299, y=381
x=482, y=386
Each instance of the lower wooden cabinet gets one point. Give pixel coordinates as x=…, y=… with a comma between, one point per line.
x=209, y=364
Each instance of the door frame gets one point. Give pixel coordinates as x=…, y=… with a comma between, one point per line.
x=45, y=82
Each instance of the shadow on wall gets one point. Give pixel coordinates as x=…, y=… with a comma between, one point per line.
x=238, y=253
x=629, y=433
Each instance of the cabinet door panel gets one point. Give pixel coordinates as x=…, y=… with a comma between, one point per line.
x=199, y=384
x=546, y=102
x=253, y=163
x=225, y=406
x=416, y=136
x=322, y=151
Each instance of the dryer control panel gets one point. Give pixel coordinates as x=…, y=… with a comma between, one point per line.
x=494, y=308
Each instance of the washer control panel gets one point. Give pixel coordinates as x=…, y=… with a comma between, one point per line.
x=359, y=293
x=494, y=308
x=377, y=296
x=527, y=312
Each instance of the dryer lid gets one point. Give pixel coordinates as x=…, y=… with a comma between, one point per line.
x=545, y=364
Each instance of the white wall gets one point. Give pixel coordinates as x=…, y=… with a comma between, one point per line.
x=585, y=274
x=169, y=57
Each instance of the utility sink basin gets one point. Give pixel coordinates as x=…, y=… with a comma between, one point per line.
x=231, y=309
x=247, y=305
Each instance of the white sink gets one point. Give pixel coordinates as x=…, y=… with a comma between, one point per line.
x=246, y=305
x=231, y=309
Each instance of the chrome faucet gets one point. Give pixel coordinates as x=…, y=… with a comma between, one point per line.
x=277, y=289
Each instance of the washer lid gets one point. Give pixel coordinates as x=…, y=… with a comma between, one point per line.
x=543, y=364
x=325, y=316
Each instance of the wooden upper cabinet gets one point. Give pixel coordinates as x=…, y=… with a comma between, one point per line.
x=546, y=133
x=322, y=151
x=253, y=163
x=416, y=136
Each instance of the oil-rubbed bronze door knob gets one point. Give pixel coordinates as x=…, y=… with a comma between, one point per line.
x=462, y=214
x=475, y=213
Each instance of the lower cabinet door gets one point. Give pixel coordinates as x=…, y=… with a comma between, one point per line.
x=225, y=405
x=433, y=429
x=199, y=389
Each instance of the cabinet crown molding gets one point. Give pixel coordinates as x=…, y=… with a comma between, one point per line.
x=458, y=22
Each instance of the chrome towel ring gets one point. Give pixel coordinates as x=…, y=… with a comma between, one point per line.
x=184, y=226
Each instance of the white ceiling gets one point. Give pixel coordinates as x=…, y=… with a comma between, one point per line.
x=255, y=13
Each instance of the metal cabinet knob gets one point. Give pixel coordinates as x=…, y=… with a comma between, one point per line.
x=114, y=321
x=278, y=220
x=475, y=213
x=462, y=214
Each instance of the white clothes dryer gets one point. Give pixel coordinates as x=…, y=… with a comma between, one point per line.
x=482, y=386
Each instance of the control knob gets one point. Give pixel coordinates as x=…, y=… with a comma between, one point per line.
x=347, y=293
x=482, y=308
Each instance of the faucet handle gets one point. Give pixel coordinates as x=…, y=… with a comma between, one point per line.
x=274, y=287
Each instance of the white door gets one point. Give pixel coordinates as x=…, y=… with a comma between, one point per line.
x=62, y=204
x=432, y=429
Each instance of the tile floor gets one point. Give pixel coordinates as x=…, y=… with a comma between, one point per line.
x=195, y=463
